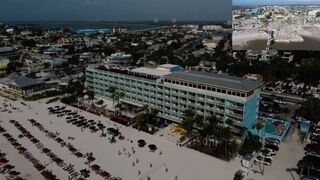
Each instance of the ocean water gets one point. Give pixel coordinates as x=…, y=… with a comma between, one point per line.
x=76, y=26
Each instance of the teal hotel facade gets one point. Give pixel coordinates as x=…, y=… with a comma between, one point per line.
x=171, y=90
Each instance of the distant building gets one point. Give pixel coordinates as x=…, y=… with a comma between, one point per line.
x=3, y=63
x=8, y=52
x=15, y=86
x=314, y=13
x=118, y=59
x=55, y=51
x=287, y=56
x=56, y=62
x=116, y=29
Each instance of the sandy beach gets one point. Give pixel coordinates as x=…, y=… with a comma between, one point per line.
x=168, y=162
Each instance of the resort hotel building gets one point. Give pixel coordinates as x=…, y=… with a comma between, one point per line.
x=172, y=90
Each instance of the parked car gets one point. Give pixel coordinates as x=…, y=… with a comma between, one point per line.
x=261, y=159
x=240, y=174
x=272, y=140
x=312, y=148
x=272, y=147
x=247, y=161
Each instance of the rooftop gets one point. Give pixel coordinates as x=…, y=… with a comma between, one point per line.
x=152, y=71
x=6, y=49
x=18, y=81
x=214, y=79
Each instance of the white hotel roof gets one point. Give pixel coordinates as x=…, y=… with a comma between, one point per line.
x=152, y=71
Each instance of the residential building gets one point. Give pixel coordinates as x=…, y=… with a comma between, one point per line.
x=171, y=90
x=15, y=86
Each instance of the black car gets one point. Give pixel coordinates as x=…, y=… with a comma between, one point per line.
x=272, y=147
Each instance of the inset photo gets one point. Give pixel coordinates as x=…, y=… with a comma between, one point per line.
x=276, y=24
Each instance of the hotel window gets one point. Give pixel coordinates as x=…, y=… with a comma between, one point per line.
x=209, y=88
x=194, y=85
x=229, y=92
x=224, y=91
x=238, y=94
x=243, y=95
x=203, y=87
x=233, y=93
x=185, y=84
x=218, y=90
x=181, y=83
x=190, y=85
x=214, y=89
x=169, y=81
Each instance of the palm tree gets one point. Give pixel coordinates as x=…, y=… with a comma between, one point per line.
x=91, y=95
x=112, y=90
x=154, y=114
x=187, y=122
x=140, y=120
x=213, y=123
x=259, y=125
x=202, y=127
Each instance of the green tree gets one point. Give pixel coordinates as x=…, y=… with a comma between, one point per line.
x=258, y=126
x=188, y=121
x=310, y=109
x=139, y=120
x=91, y=95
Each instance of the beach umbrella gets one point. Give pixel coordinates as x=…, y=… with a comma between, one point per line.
x=16, y=144
x=8, y=166
x=34, y=140
x=91, y=158
x=22, y=149
x=152, y=147
x=11, y=139
x=141, y=142
x=18, y=178
x=79, y=154
x=59, y=140
x=4, y=160
x=95, y=167
x=46, y=150
x=105, y=174
x=92, y=127
x=39, y=166
x=72, y=149
x=6, y=135
x=14, y=173
x=58, y=160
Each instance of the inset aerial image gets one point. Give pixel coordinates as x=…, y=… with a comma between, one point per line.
x=276, y=24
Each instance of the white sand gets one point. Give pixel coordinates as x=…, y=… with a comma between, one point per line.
x=185, y=163
x=243, y=37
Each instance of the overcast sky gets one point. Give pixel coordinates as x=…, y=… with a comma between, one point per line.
x=244, y=2
x=115, y=9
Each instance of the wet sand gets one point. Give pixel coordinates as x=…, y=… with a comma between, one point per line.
x=308, y=44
